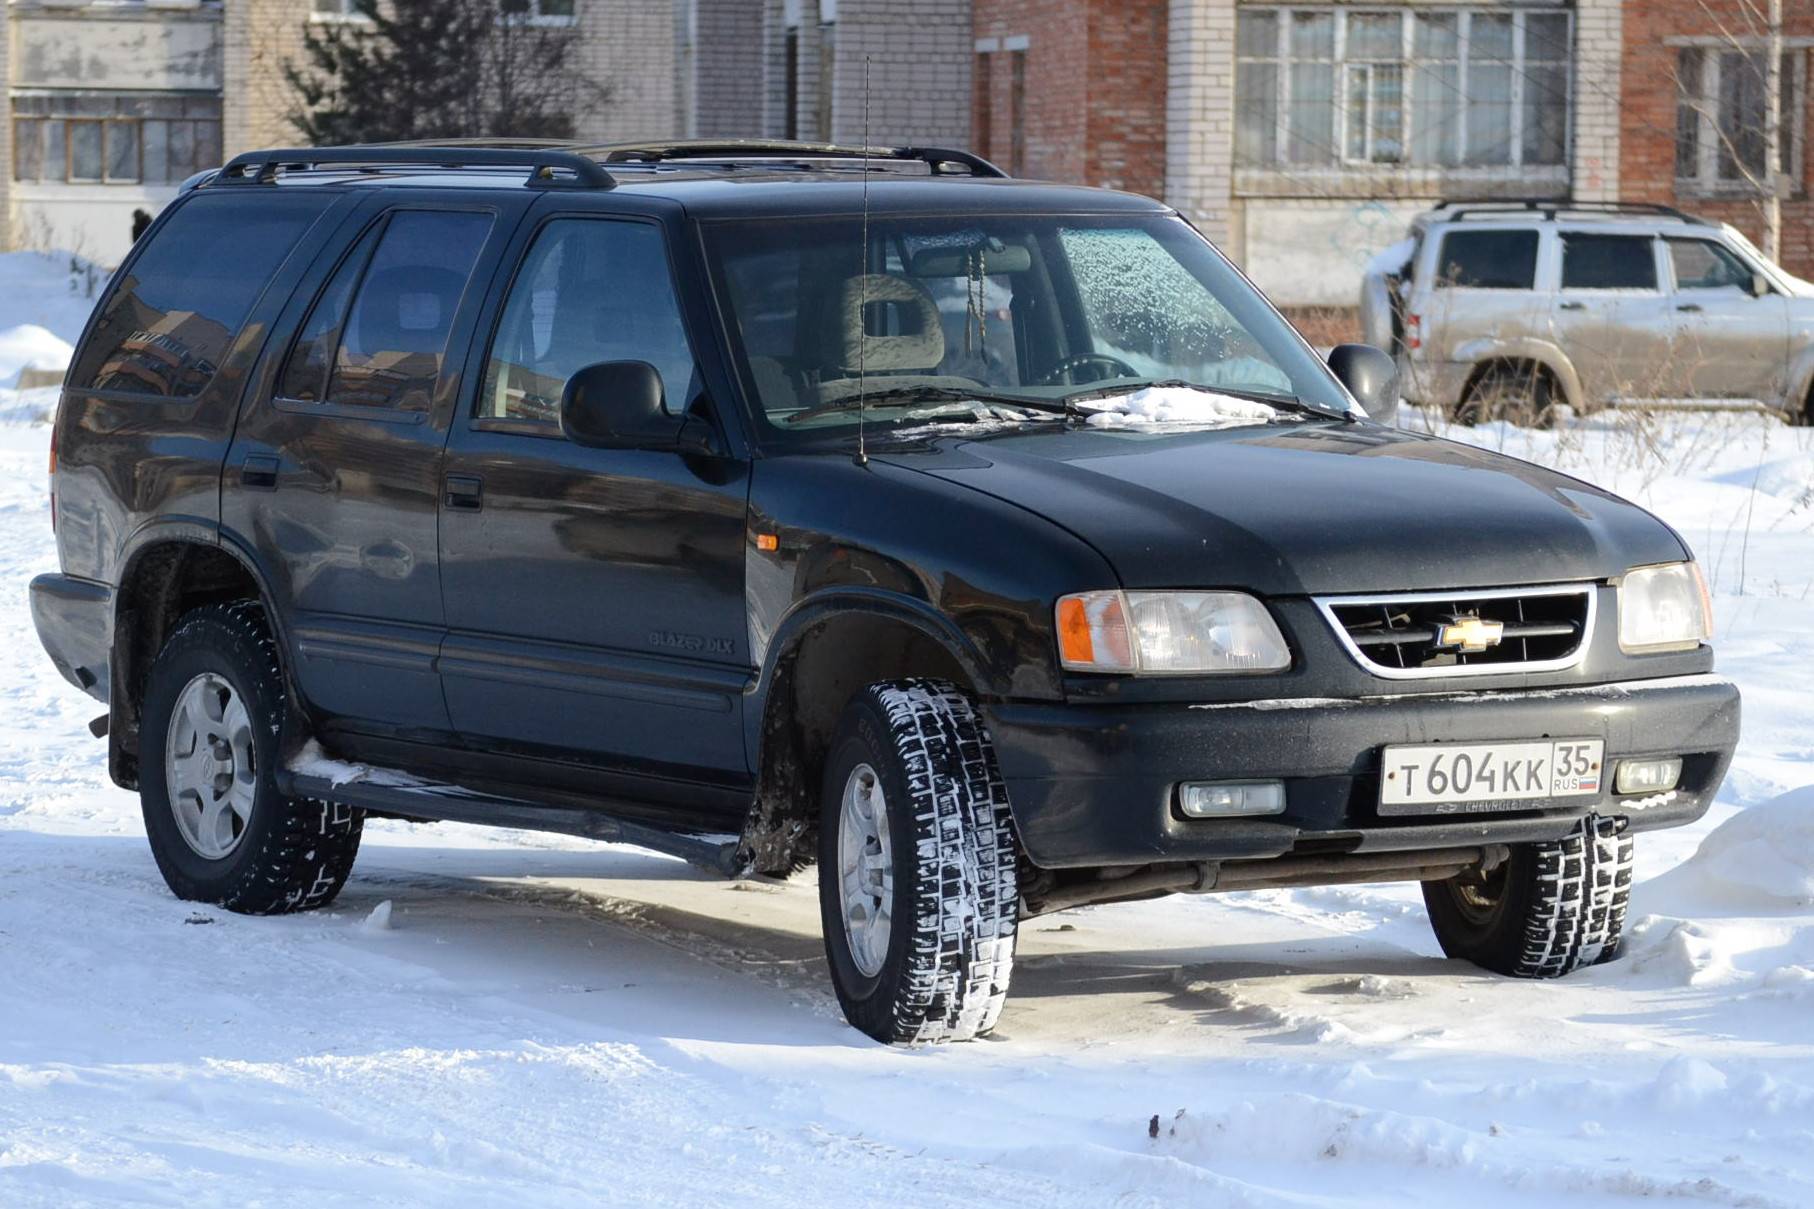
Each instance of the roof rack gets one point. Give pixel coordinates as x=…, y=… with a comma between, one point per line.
x=548, y=165
x=1548, y=207
x=940, y=159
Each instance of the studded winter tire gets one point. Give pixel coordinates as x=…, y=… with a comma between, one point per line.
x=214, y=712
x=1548, y=910
x=917, y=866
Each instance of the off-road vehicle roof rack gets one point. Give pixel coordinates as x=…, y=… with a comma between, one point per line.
x=737, y=152
x=1547, y=208
x=563, y=163
x=548, y=165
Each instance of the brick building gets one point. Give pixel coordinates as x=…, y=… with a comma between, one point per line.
x=1303, y=136
x=1694, y=116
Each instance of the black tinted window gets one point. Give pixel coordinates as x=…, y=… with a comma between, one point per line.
x=1488, y=260
x=166, y=327
x=395, y=333
x=1608, y=262
x=305, y=376
x=589, y=291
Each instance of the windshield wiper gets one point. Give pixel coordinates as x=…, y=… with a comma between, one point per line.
x=901, y=396
x=1125, y=386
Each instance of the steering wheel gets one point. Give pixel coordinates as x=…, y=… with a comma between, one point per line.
x=1065, y=372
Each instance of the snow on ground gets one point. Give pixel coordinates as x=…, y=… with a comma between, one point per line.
x=489, y=1018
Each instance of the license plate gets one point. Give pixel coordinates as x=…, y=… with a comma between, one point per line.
x=1471, y=778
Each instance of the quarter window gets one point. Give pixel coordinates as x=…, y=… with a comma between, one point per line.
x=377, y=335
x=172, y=317
x=1488, y=260
x=1333, y=88
x=590, y=290
x=1608, y=262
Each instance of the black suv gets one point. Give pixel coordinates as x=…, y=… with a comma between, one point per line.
x=993, y=544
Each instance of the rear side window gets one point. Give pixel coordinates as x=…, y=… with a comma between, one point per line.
x=377, y=334
x=1488, y=260
x=1608, y=262
x=166, y=327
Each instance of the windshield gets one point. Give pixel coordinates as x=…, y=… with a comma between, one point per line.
x=999, y=309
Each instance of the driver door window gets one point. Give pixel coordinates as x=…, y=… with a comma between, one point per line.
x=589, y=291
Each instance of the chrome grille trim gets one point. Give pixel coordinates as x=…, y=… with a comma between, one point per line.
x=1587, y=591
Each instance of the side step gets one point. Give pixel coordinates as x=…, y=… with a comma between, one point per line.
x=397, y=793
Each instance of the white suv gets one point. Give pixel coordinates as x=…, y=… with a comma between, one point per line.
x=1509, y=309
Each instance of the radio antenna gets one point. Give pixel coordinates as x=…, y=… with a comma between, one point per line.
x=863, y=285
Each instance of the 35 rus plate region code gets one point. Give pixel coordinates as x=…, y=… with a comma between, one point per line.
x=1450, y=778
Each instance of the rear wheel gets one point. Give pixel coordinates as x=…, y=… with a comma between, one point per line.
x=219, y=829
x=1518, y=394
x=1547, y=910
x=917, y=887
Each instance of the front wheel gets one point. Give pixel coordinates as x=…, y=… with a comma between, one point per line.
x=917, y=889
x=1548, y=910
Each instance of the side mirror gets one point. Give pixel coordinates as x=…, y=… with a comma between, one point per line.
x=620, y=405
x=1760, y=285
x=1371, y=376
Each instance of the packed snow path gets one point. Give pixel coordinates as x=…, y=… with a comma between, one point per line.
x=491, y=1018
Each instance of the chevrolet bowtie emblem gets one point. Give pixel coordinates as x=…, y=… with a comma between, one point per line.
x=1470, y=635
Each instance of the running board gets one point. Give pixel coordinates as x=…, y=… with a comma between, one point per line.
x=392, y=793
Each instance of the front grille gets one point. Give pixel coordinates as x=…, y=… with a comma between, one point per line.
x=1427, y=634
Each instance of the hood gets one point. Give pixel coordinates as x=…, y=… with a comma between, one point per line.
x=1305, y=508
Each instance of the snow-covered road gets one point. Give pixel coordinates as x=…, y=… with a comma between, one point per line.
x=543, y=1021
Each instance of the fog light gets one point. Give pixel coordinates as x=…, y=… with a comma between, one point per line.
x=1648, y=776
x=1228, y=799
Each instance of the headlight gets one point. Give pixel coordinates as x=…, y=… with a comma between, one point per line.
x=1162, y=633
x=1664, y=608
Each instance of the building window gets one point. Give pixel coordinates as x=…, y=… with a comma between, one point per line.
x=791, y=121
x=551, y=12
x=1719, y=142
x=100, y=138
x=1428, y=87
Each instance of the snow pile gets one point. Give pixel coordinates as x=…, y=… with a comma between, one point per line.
x=1153, y=405
x=1761, y=859
x=29, y=346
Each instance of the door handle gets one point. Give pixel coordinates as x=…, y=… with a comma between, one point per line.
x=1573, y=306
x=259, y=472
x=464, y=491
x=1693, y=308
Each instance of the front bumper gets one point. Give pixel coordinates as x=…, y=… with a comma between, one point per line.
x=1095, y=784
x=74, y=619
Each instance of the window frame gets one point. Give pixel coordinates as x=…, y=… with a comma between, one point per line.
x=542, y=429
x=1706, y=102
x=1438, y=280
x=1659, y=264
x=1675, y=281
x=453, y=362
x=1277, y=142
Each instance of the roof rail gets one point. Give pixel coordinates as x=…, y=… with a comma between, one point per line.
x=939, y=159
x=1548, y=207
x=547, y=166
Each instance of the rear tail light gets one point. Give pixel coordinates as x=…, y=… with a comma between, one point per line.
x=1413, y=331
x=53, y=475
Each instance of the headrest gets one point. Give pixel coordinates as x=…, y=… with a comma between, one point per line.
x=903, y=334
x=408, y=310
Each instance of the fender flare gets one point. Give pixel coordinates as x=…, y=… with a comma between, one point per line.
x=841, y=601
x=1526, y=348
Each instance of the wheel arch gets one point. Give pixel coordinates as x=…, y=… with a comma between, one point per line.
x=163, y=577
x=825, y=651
x=1488, y=355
